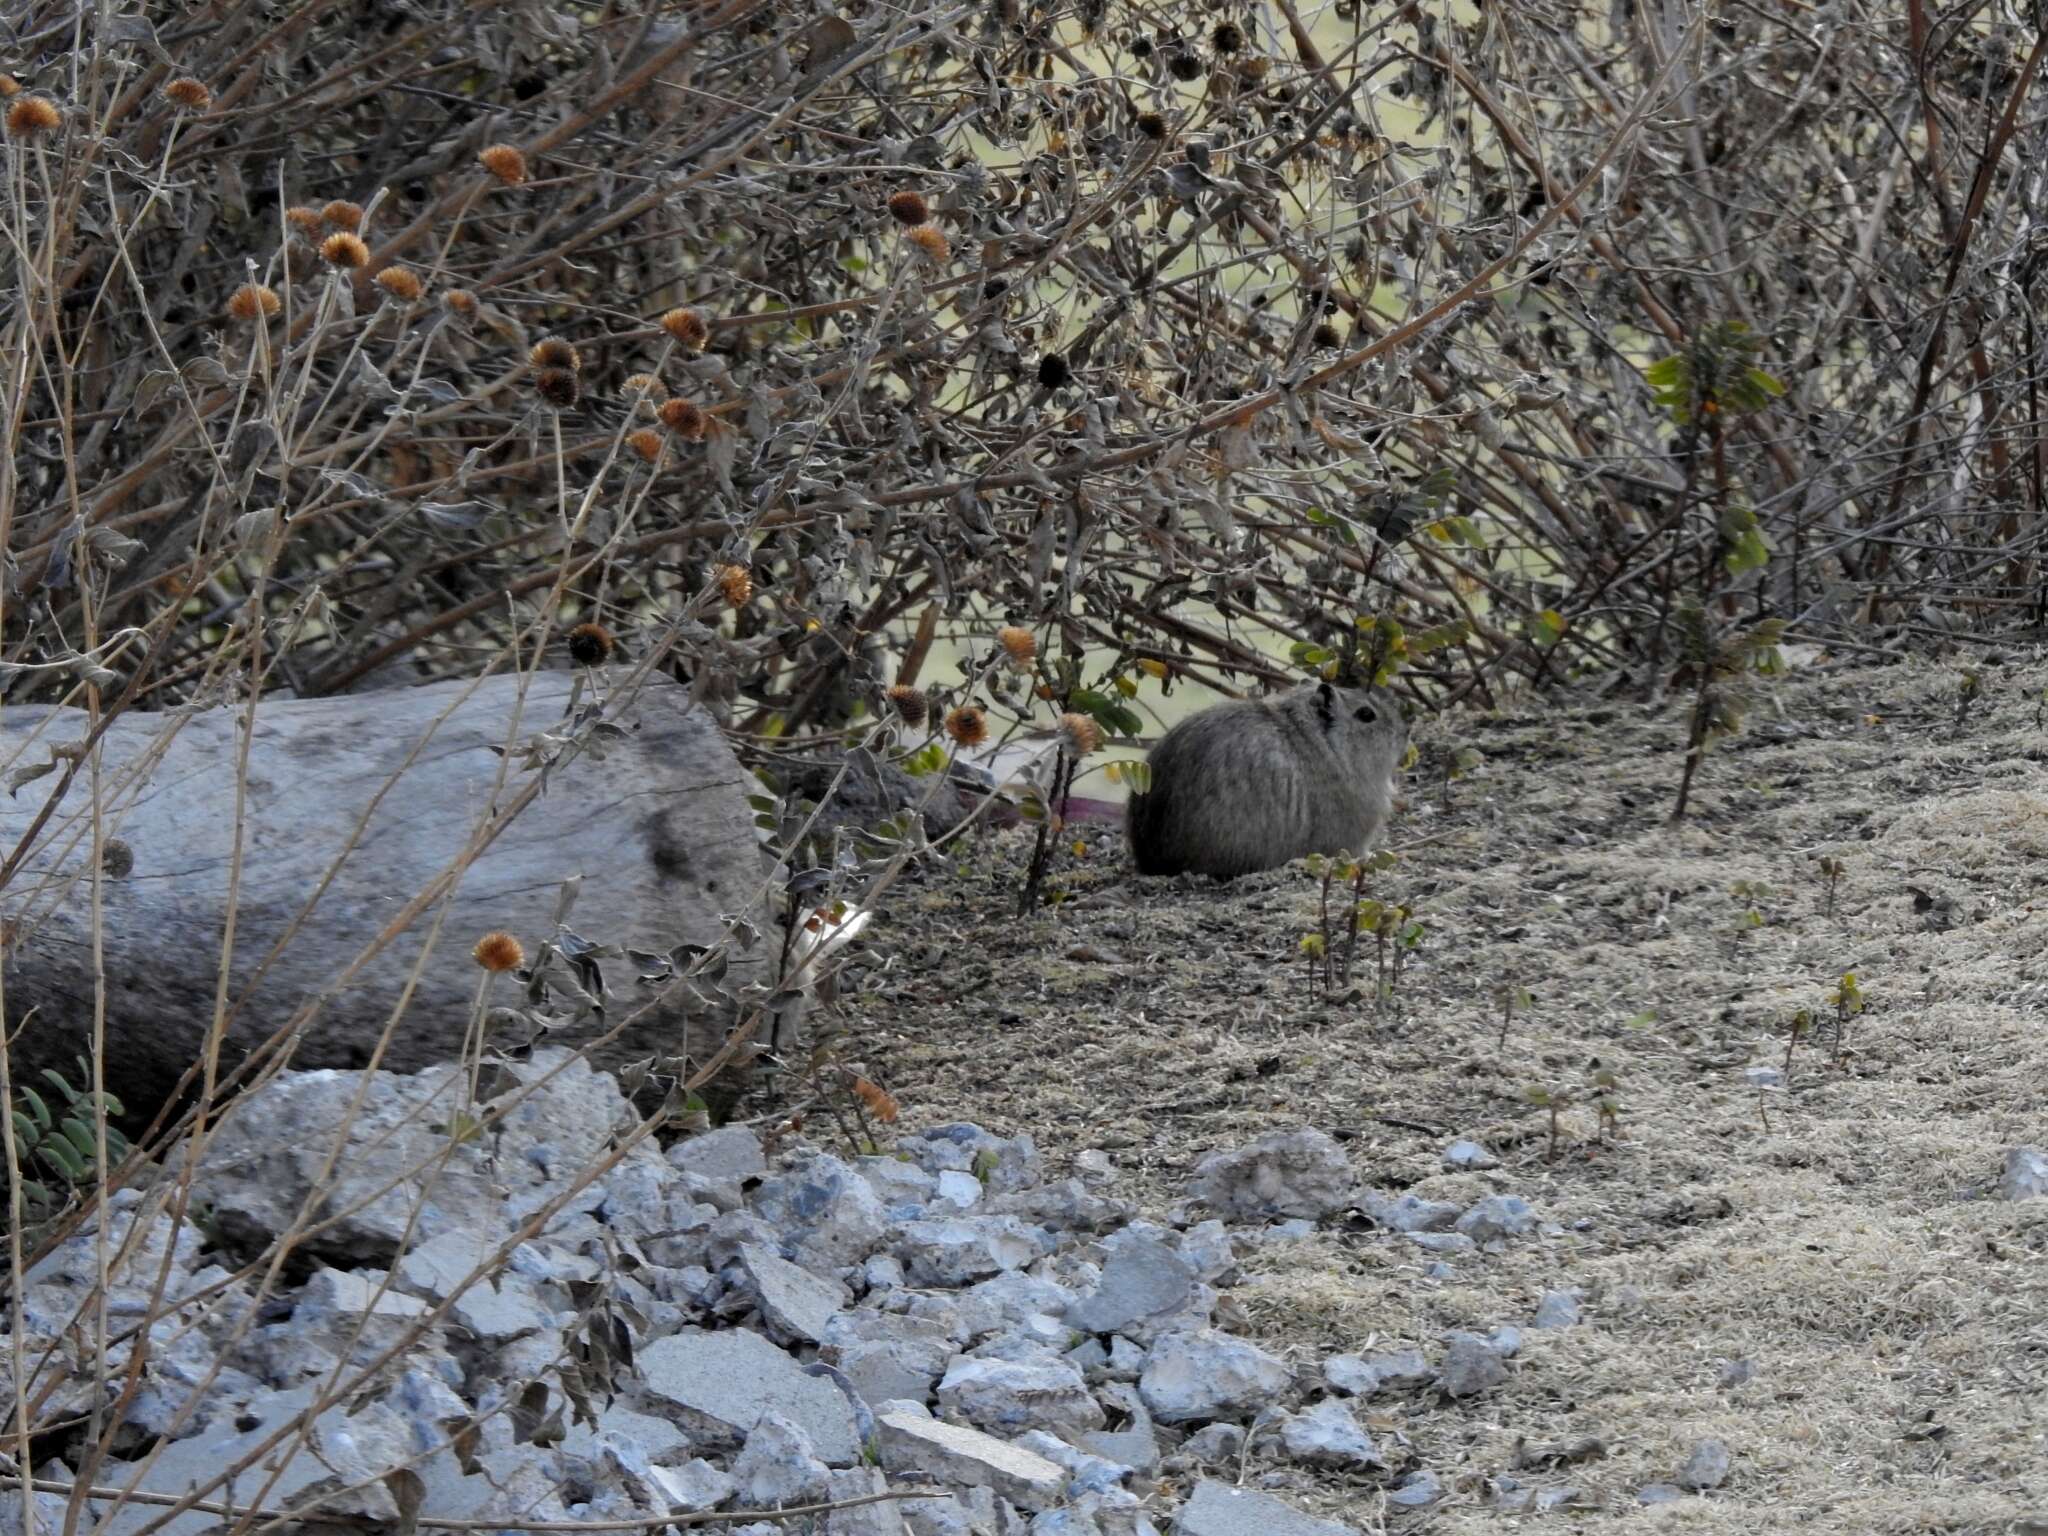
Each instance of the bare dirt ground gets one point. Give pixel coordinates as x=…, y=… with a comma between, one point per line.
x=1840, y=1236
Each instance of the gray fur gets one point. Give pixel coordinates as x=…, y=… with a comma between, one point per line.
x=1250, y=785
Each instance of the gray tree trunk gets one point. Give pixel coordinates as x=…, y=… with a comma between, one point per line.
x=659, y=832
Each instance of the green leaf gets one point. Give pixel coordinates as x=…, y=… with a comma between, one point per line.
x=36, y=1106
x=1435, y=639
x=1764, y=382
x=69, y=1093
x=81, y=1137
x=26, y=1131
x=60, y=1155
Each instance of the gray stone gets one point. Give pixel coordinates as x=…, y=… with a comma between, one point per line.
x=1217, y=1509
x=726, y=1381
x=2025, y=1176
x=883, y=1272
x=1659, y=1493
x=795, y=1304
x=1014, y=1395
x=626, y=1428
x=1209, y=1374
x=778, y=1466
x=827, y=1216
x=1068, y=1205
x=1215, y=1444
x=1761, y=1078
x=1496, y=1218
x=1329, y=1435
x=496, y=1314
x=1086, y=1472
x=1283, y=1173
x=729, y=1155
x=1557, y=1309
x=437, y=1266
x=903, y=1187
x=1472, y=1365
x=887, y=1356
x=1142, y=1277
x=1209, y=1251
x=960, y=1250
x=1002, y=1164
x=1418, y=1490
x=1463, y=1156
x=1507, y=1340
x=1136, y=1448
x=1454, y=1244
x=1706, y=1466
x=962, y=1191
x=952, y=1454
x=863, y=1520
x=1410, y=1213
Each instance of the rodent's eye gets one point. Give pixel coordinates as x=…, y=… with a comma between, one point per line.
x=1366, y=714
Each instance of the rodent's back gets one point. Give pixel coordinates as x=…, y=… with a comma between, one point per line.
x=1246, y=786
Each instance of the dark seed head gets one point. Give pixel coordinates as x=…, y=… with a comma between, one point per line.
x=590, y=644
x=1152, y=125
x=1053, y=370
x=556, y=386
x=1184, y=66
x=1227, y=38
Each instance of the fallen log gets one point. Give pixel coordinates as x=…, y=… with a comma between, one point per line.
x=340, y=790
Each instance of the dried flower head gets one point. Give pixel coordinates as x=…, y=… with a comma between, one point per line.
x=688, y=327
x=1227, y=38
x=909, y=208
x=459, y=301
x=735, y=584
x=499, y=952
x=556, y=387
x=1184, y=66
x=590, y=644
x=645, y=389
x=1053, y=370
x=1079, y=735
x=967, y=725
x=911, y=706
x=344, y=251
x=1152, y=125
x=931, y=244
x=553, y=352
x=645, y=443
x=9, y=87
x=507, y=162
x=305, y=220
x=685, y=418
x=1019, y=644
x=402, y=283
x=1325, y=335
x=253, y=302
x=190, y=93
x=879, y=1101
x=343, y=214
x=32, y=116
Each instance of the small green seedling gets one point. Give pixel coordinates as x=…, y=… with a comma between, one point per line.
x=1508, y=996
x=1556, y=1101
x=1830, y=871
x=1848, y=1001
x=1751, y=896
x=1800, y=1027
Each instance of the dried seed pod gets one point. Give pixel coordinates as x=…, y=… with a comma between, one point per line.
x=685, y=418
x=967, y=725
x=909, y=208
x=645, y=443
x=644, y=389
x=188, y=92
x=556, y=387
x=553, y=352
x=1019, y=644
x=344, y=252
x=735, y=582
x=911, y=706
x=590, y=645
x=31, y=117
x=931, y=244
x=1079, y=734
x=402, y=283
x=689, y=327
x=253, y=302
x=507, y=162
x=343, y=215
x=499, y=951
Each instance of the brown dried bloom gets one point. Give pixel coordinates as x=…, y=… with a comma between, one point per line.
x=1080, y=734
x=499, y=952
x=688, y=327
x=344, y=250
x=507, y=162
x=590, y=644
x=556, y=386
x=343, y=214
x=32, y=116
x=967, y=725
x=645, y=443
x=736, y=582
x=459, y=301
x=191, y=94
x=9, y=87
x=305, y=220
x=685, y=418
x=931, y=244
x=911, y=706
x=553, y=352
x=253, y=301
x=1019, y=644
x=645, y=388
x=909, y=208
x=401, y=283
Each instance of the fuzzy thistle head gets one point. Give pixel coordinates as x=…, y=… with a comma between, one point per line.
x=459, y=301
x=1019, y=644
x=507, y=162
x=304, y=221
x=499, y=952
x=1079, y=735
x=909, y=208
x=911, y=707
x=402, y=283
x=644, y=389
x=344, y=252
x=1152, y=125
x=553, y=352
x=735, y=584
x=645, y=443
x=188, y=93
x=9, y=87
x=1227, y=38
x=343, y=214
x=1325, y=335
x=591, y=645
x=689, y=327
x=30, y=117
x=967, y=725
x=253, y=303
x=685, y=418
x=1053, y=371
x=556, y=388
x=931, y=244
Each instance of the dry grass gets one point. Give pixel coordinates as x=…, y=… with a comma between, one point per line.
x=1892, y=1314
